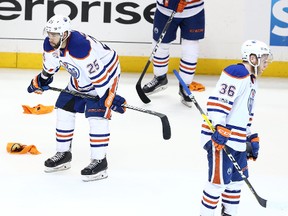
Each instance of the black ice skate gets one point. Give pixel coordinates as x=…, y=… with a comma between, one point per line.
x=156, y=84
x=60, y=161
x=185, y=99
x=96, y=170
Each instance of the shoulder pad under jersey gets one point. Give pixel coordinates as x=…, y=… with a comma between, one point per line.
x=79, y=46
x=46, y=45
x=237, y=71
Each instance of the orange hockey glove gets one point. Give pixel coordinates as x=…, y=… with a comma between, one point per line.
x=175, y=5
x=220, y=137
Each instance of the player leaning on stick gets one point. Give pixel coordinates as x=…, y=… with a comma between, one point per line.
x=230, y=108
x=190, y=18
x=94, y=70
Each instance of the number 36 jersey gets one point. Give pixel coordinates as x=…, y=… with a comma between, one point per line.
x=93, y=66
x=231, y=104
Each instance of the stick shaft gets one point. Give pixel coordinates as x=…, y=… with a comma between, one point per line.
x=139, y=89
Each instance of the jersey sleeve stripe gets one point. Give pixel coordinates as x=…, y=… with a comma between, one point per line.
x=217, y=110
x=238, y=134
x=218, y=105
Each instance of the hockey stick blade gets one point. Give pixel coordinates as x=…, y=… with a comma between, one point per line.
x=141, y=94
x=260, y=200
x=139, y=89
x=164, y=119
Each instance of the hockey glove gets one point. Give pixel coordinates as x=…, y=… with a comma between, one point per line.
x=39, y=84
x=220, y=137
x=175, y=5
x=117, y=104
x=252, y=146
x=113, y=102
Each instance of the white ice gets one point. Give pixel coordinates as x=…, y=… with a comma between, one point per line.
x=147, y=174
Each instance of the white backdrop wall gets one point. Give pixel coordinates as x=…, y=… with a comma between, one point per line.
x=127, y=25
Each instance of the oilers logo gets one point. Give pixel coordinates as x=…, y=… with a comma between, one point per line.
x=229, y=171
x=251, y=100
x=74, y=71
x=156, y=30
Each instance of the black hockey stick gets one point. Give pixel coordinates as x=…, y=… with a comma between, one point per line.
x=260, y=200
x=139, y=89
x=164, y=119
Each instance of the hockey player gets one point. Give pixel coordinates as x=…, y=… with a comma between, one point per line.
x=94, y=70
x=230, y=108
x=190, y=18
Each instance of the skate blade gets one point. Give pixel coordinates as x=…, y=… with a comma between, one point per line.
x=186, y=103
x=161, y=88
x=61, y=167
x=98, y=176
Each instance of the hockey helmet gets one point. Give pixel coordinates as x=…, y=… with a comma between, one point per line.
x=58, y=24
x=255, y=47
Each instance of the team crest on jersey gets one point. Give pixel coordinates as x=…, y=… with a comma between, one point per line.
x=156, y=30
x=251, y=100
x=229, y=171
x=74, y=71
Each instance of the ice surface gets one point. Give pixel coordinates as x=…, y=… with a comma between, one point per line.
x=147, y=174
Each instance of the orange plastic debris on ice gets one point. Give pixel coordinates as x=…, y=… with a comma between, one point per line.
x=194, y=86
x=38, y=109
x=17, y=148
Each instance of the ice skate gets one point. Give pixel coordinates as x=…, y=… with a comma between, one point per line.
x=223, y=212
x=185, y=99
x=156, y=84
x=60, y=161
x=96, y=170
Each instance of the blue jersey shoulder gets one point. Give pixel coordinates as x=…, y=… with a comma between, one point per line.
x=78, y=46
x=46, y=45
x=238, y=71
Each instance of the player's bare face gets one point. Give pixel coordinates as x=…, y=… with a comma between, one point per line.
x=54, y=39
x=264, y=62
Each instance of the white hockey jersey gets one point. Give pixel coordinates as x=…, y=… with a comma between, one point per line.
x=231, y=104
x=192, y=8
x=93, y=66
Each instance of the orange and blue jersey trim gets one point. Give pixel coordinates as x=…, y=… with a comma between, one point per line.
x=216, y=104
x=107, y=73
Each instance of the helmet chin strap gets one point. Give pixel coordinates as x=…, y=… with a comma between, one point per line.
x=255, y=66
x=255, y=71
x=62, y=40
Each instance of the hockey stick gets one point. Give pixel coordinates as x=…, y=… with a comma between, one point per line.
x=166, y=130
x=139, y=89
x=260, y=200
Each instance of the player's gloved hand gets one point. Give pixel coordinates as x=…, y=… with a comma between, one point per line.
x=39, y=84
x=113, y=102
x=117, y=104
x=252, y=146
x=175, y=5
x=220, y=137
